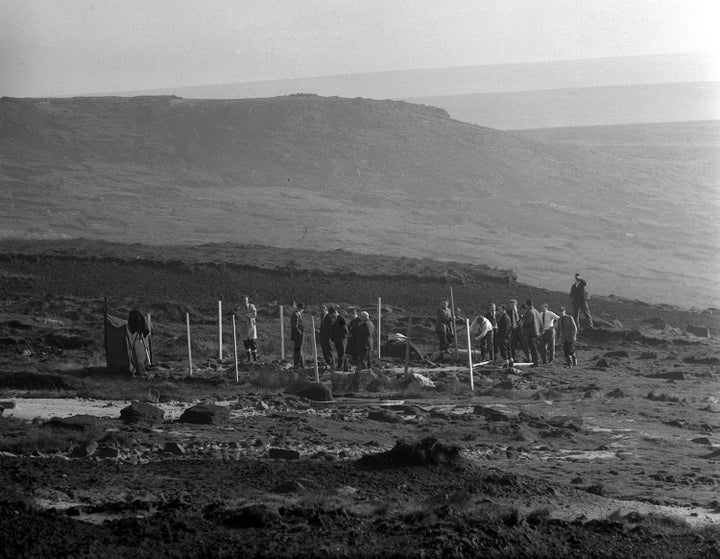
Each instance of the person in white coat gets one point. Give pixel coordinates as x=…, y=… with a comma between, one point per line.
x=247, y=314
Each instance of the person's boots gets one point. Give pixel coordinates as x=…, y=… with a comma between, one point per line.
x=568, y=361
x=574, y=359
x=247, y=353
x=254, y=355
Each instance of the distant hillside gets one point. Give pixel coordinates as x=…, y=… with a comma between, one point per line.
x=368, y=176
x=587, y=106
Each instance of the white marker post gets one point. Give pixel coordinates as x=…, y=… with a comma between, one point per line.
x=220, y=329
x=470, y=363
x=317, y=371
x=187, y=322
x=237, y=374
x=379, y=335
x=282, y=334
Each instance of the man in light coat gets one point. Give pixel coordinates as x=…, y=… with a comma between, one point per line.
x=567, y=336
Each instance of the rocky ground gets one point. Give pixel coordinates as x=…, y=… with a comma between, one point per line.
x=617, y=457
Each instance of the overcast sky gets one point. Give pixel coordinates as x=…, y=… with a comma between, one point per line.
x=65, y=47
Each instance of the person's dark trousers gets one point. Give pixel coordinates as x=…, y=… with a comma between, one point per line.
x=365, y=360
x=569, y=351
x=531, y=348
x=495, y=344
x=443, y=341
x=327, y=352
x=582, y=306
x=340, y=351
x=297, y=356
x=515, y=341
x=504, y=348
x=487, y=345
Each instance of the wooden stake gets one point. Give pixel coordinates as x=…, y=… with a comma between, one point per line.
x=282, y=334
x=314, y=342
x=452, y=310
x=187, y=321
x=407, y=345
x=237, y=374
x=470, y=363
x=105, y=315
x=220, y=329
x=379, y=335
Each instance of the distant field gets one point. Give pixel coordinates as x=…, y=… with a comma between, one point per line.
x=634, y=208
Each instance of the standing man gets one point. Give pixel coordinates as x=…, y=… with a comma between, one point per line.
x=531, y=330
x=515, y=334
x=492, y=338
x=327, y=323
x=504, y=332
x=248, y=316
x=352, y=343
x=547, y=338
x=297, y=334
x=481, y=329
x=365, y=336
x=339, y=336
x=567, y=334
x=444, y=326
x=579, y=300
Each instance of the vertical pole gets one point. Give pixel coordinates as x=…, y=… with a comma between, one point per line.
x=220, y=329
x=470, y=363
x=282, y=335
x=187, y=321
x=150, y=336
x=317, y=371
x=379, y=334
x=452, y=309
x=237, y=374
x=407, y=345
x=105, y=315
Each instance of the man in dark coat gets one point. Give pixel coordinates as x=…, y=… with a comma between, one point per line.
x=504, y=331
x=516, y=332
x=352, y=344
x=444, y=326
x=365, y=335
x=491, y=340
x=339, y=337
x=327, y=324
x=531, y=330
x=297, y=334
x=579, y=301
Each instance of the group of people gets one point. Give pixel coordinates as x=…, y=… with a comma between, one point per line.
x=343, y=342
x=501, y=332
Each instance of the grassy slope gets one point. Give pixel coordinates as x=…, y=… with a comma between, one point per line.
x=366, y=176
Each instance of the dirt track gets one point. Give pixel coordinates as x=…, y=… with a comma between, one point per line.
x=591, y=461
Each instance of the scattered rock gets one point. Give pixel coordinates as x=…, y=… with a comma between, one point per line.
x=573, y=422
x=283, y=454
x=699, y=331
x=617, y=393
x=85, y=450
x=142, y=412
x=656, y=323
x=316, y=391
x=648, y=355
x=174, y=448
x=620, y=353
x=107, y=452
x=384, y=416
x=702, y=360
x=64, y=341
x=440, y=414
x=426, y=452
x=711, y=407
x=592, y=395
x=701, y=440
x=416, y=380
x=205, y=414
x=491, y=414
x=262, y=406
x=602, y=364
x=713, y=454
x=669, y=375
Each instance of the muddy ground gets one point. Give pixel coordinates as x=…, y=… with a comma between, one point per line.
x=617, y=457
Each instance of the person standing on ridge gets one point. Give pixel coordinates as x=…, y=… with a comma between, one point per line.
x=492, y=338
x=579, y=300
x=515, y=332
x=531, y=330
x=297, y=335
x=365, y=336
x=352, y=342
x=327, y=324
x=248, y=318
x=339, y=336
x=504, y=332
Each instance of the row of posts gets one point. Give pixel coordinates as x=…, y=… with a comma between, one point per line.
x=315, y=354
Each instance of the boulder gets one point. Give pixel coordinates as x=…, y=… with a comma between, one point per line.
x=142, y=412
x=174, y=448
x=316, y=391
x=426, y=452
x=602, y=364
x=64, y=341
x=699, y=331
x=416, y=380
x=283, y=454
x=656, y=323
x=384, y=416
x=668, y=375
x=85, y=450
x=206, y=414
x=491, y=414
x=76, y=423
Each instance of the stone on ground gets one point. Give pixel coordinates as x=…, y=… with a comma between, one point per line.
x=206, y=414
x=316, y=391
x=142, y=412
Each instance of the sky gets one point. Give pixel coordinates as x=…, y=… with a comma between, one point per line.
x=68, y=47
